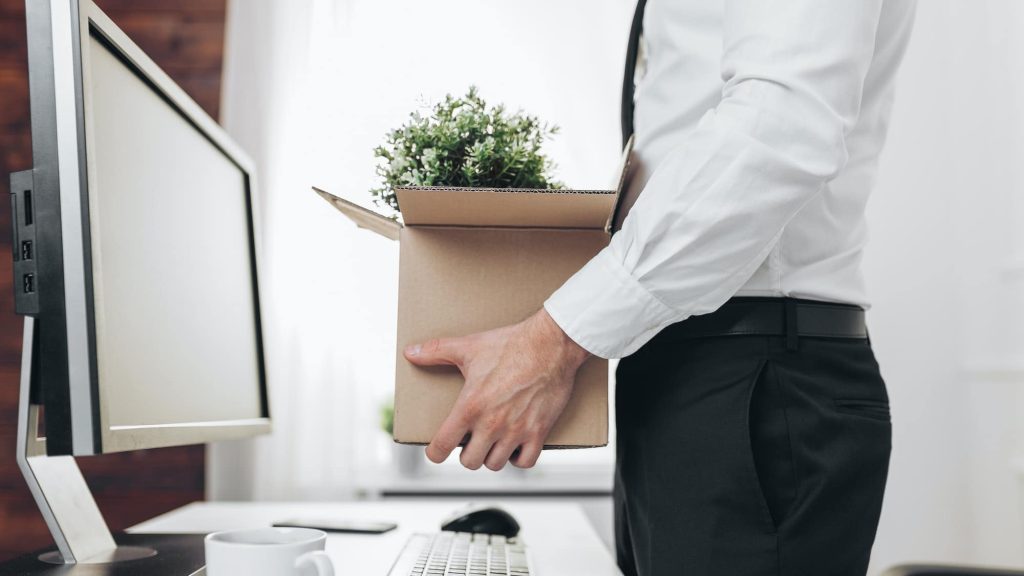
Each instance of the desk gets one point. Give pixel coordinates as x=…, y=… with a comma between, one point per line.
x=561, y=540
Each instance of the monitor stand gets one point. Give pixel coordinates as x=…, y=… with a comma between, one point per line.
x=85, y=545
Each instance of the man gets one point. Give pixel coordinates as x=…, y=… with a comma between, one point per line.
x=753, y=424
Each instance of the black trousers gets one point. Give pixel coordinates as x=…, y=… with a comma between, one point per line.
x=738, y=456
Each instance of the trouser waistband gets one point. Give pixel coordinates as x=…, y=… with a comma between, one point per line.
x=789, y=317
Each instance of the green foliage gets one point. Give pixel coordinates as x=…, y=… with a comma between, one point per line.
x=464, y=142
x=387, y=418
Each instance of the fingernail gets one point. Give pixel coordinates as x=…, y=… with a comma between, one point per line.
x=413, y=350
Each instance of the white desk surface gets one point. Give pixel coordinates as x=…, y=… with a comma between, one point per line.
x=433, y=479
x=560, y=538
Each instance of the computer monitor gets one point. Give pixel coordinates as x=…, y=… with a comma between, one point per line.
x=136, y=262
x=142, y=256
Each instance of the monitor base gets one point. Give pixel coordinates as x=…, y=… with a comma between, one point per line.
x=175, y=555
x=56, y=482
x=120, y=554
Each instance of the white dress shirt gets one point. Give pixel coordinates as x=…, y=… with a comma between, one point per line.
x=758, y=130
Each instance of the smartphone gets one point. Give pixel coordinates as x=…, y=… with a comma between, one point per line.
x=343, y=526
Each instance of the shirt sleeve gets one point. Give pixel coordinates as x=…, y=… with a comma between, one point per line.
x=712, y=211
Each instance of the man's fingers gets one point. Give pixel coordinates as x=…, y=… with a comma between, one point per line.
x=528, y=455
x=474, y=453
x=439, y=351
x=499, y=455
x=448, y=437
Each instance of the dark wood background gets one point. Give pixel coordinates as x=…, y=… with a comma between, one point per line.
x=186, y=38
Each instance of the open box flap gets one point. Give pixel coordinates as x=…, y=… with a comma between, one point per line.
x=362, y=217
x=505, y=207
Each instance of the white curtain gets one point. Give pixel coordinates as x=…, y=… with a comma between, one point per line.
x=327, y=291
x=310, y=88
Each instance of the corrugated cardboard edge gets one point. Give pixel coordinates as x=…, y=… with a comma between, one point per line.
x=363, y=218
x=503, y=190
x=546, y=446
x=627, y=155
x=505, y=207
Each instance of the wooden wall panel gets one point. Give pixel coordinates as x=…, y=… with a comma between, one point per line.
x=186, y=38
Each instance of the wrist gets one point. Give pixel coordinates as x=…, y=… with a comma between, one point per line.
x=575, y=354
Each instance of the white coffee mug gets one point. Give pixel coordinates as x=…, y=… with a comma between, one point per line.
x=268, y=552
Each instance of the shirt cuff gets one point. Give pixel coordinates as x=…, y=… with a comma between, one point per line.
x=604, y=309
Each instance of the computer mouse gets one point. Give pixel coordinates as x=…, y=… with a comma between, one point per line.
x=482, y=520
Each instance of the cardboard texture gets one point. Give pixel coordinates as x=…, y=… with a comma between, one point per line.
x=505, y=208
x=473, y=259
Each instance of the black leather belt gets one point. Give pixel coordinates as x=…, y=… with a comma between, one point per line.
x=789, y=317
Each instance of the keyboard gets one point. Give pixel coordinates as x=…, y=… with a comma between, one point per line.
x=462, y=554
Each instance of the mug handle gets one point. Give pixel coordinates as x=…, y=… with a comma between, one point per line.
x=319, y=560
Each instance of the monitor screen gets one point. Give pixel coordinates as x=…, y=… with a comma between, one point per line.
x=173, y=278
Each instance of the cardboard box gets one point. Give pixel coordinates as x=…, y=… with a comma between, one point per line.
x=473, y=259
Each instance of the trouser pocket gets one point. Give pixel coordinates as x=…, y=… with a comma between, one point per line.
x=876, y=409
x=771, y=445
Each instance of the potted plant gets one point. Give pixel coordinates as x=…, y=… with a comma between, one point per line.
x=464, y=142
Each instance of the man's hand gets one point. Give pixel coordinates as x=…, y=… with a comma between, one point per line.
x=518, y=380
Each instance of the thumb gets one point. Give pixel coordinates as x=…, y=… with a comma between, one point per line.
x=436, y=352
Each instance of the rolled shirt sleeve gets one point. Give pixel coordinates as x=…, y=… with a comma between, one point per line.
x=712, y=211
